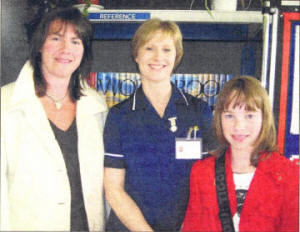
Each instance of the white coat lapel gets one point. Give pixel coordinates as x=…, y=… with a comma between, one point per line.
x=25, y=100
x=90, y=109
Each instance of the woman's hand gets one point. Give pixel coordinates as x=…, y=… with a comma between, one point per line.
x=123, y=205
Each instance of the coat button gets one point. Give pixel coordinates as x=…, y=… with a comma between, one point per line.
x=279, y=177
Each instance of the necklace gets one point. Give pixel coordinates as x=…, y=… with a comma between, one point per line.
x=58, y=103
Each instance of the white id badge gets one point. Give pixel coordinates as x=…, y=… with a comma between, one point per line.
x=188, y=148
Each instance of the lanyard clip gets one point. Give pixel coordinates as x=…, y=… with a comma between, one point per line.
x=196, y=128
x=191, y=130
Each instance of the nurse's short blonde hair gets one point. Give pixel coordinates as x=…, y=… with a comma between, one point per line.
x=145, y=32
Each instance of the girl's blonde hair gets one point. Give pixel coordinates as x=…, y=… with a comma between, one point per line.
x=247, y=91
x=145, y=32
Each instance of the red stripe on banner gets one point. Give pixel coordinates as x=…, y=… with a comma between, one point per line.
x=288, y=17
x=92, y=80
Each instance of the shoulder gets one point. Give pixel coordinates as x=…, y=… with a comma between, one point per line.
x=91, y=102
x=198, y=105
x=7, y=87
x=6, y=94
x=279, y=167
x=194, y=100
x=205, y=165
x=90, y=93
x=120, y=115
x=278, y=161
x=123, y=107
x=98, y=96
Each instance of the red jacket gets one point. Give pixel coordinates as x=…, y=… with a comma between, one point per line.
x=271, y=203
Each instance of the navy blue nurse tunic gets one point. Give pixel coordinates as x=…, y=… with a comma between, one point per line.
x=138, y=139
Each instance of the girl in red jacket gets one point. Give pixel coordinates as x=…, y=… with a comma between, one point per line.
x=248, y=186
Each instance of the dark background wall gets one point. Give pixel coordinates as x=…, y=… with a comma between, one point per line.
x=114, y=55
x=199, y=57
x=14, y=49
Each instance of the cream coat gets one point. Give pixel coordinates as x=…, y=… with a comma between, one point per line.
x=35, y=191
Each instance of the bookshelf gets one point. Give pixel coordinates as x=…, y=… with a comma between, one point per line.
x=195, y=24
x=197, y=16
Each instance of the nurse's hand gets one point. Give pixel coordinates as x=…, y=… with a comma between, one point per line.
x=123, y=205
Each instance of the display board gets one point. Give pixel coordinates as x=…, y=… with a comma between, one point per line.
x=288, y=125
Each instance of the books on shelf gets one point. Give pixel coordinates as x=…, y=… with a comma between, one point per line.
x=119, y=86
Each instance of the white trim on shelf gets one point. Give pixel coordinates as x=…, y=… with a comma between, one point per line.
x=198, y=16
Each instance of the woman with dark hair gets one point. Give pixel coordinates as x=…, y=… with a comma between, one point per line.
x=83, y=30
x=51, y=133
x=248, y=185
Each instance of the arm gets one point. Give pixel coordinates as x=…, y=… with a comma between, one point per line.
x=4, y=204
x=192, y=216
x=5, y=224
x=122, y=204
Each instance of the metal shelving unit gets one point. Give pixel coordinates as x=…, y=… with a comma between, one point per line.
x=121, y=24
x=197, y=16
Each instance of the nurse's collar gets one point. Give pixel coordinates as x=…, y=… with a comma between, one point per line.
x=186, y=101
x=134, y=99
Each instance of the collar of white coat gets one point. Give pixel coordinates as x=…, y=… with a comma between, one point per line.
x=24, y=93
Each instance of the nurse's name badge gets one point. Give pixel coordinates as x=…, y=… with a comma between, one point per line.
x=173, y=126
x=188, y=148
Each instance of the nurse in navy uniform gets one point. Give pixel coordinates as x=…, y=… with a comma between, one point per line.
x=152, y=139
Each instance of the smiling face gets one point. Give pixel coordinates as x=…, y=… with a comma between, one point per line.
x=243, y=117
x=241, y=127
x=62, y=51
x=156, y=58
